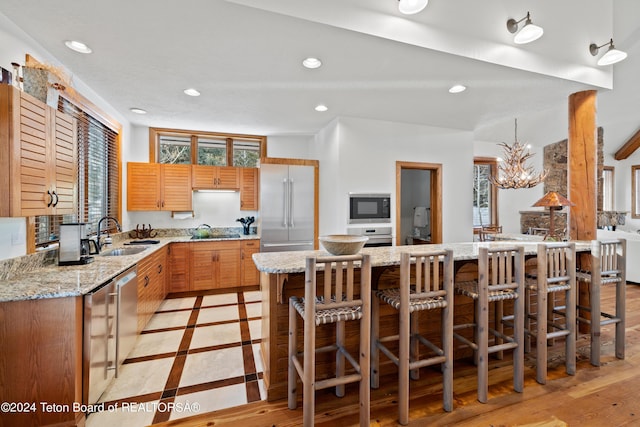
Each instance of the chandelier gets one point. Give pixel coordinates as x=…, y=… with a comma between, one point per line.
x=513, y=171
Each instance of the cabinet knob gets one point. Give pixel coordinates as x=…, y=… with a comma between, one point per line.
x=159, y=268
x=146, y=281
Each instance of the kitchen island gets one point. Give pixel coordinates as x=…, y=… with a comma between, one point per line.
x=282, y=276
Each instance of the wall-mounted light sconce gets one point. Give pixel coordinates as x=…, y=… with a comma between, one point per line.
x=612, y=56
x=409, y=7
x=528, y=33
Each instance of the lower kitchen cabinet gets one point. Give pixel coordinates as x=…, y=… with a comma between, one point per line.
x=178, y=277
x=249, y=274
x=41, y=361
x=215, y=265
x=151, y=285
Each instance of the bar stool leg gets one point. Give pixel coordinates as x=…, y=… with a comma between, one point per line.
x=365, y=361
x=483, y=341
x=620, y=314
x=541, y=331
x=570, y=319
x=414, y=352
x=403, y=364
x=340, y=362
x=594, y=295
x=293, y=376
x=375, y=336
x=308, y=391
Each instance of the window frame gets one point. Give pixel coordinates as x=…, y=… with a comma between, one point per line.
x=635, y=188
x=155, y=133
x=611, y=190
x=493, y=208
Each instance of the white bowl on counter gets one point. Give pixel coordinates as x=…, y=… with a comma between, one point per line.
x=343, y=244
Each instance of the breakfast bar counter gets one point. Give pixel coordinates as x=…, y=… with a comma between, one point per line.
x=282, y=276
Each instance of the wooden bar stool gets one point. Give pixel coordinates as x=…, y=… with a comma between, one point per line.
x=333, y=302
x=608, y=266
x=555, y=273
x=432, y=289
x=500, y=278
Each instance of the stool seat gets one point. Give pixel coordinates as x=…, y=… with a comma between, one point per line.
x=416, y=301
x=331, y=315
x=471, y=290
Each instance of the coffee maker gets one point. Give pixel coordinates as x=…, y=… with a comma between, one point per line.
x=75, y=246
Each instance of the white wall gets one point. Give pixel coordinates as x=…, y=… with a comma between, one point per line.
x=289, y=146
x=359, y=155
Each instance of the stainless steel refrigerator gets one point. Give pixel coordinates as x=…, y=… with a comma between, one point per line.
x=287, y=211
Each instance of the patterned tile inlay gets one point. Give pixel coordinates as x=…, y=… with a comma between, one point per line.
x=179, y=371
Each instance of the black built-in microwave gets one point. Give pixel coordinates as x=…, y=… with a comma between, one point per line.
x=366, y=208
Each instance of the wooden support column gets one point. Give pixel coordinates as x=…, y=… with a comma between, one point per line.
x=583, y=162
x=583, y=177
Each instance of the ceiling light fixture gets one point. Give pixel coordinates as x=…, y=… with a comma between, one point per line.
x=513, y=171
x=138, y=110
x=457, y=88
x=410, y=7
x=78, y=46
x=612, y=56
x=321, y=108
x=528, y=33
x=192, y=92
x=312, y=63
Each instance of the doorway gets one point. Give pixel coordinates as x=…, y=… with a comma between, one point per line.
x=418, y=202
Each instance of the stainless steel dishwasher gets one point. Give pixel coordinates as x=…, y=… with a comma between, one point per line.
x=110, y=332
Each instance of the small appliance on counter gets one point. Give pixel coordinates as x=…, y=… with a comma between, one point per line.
x=75, y=245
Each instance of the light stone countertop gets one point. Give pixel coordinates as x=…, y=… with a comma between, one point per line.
x=294, y=262
x=55, y=281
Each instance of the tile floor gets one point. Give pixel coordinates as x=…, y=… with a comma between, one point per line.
x=196, y=355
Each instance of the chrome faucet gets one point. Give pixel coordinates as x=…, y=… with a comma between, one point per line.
x=106, y=218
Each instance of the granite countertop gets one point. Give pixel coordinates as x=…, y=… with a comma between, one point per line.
x=55, y=281
x=294, y=262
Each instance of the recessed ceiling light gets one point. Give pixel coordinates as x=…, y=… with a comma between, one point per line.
x=312, y=63
x=192, y=92
x=138, y=110
x=457, y=88
x=321, y=107
x=78, y=46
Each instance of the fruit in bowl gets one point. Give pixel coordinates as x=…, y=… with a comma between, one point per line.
x=343, y=244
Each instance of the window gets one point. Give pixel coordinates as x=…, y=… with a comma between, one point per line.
x=174, y=149
x=205, y=148
x=212, y=152
x=635, y=191
x=607, y=188
x=485, y=195
x=98, y=176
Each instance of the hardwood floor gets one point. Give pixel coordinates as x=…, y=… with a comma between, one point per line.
x=595, y=396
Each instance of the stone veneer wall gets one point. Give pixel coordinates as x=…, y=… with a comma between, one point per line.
x=555, y=161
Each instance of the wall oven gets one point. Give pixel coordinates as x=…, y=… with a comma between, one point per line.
x=367, y=208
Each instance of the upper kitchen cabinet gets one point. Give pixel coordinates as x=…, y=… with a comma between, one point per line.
x=249, y=191
x=216, y=177
x=38, y=156
x=158, y=187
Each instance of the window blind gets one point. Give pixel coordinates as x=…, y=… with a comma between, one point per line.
x=98, y=175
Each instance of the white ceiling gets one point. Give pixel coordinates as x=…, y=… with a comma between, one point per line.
x=244, y=56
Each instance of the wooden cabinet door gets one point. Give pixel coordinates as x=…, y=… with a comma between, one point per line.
x=249, y=189
x=204, y=268
x=161, y=266
x=249, y=274
x=228, y=178
x=203, y=177
x=66, y=164
x=228, y=257
x=179, y=262
x=31, y=161
x=176, y=188
x=143, y=186
x=145, y=291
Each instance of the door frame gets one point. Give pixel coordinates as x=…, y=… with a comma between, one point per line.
x=436, y=197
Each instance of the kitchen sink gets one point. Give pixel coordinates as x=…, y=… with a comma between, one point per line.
x=123, y=251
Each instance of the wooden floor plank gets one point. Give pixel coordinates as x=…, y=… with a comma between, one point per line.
x=595, y=396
